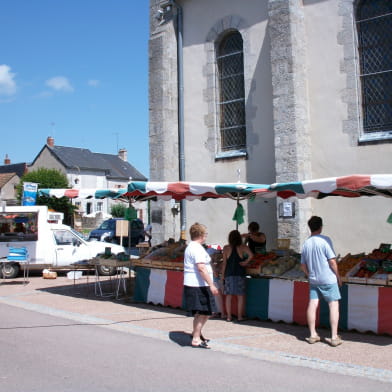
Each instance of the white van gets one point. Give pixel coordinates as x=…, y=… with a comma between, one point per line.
x=49, y=245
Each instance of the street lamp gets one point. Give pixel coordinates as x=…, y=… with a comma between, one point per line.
x=76, y=180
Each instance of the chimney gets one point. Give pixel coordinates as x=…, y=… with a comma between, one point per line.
x=7, y=161
x=122, y=154
x=50, y=141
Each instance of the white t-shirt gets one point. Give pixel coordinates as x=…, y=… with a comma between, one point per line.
x=195, y=254
x=316, y=252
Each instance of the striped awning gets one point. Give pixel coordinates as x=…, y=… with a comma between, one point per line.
x=141, y=190
x=190, y=190
x=348, y=186
x=83, y=193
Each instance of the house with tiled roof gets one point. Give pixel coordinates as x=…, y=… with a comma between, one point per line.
x=10, y=174
x=88, y=170
x=18, y=168
x=8, y=183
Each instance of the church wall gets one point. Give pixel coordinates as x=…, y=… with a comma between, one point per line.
x=302, y=112
x=335, y=127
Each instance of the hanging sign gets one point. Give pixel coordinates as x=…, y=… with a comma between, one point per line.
x=29, y=193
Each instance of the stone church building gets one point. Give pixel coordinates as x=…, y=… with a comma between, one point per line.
x=265, y=91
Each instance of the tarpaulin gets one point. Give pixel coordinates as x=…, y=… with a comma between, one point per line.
x=348, y=186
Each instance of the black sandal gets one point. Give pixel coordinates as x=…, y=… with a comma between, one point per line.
x=203, y=339
x=201, y=345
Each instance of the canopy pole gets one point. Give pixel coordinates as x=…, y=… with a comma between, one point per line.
x=129, y=227
x=238, y=203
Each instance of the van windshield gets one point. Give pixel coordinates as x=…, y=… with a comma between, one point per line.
x=18, y=226
x=106, y=225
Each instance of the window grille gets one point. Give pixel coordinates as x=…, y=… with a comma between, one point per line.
x=374, y=26
x=231, y=92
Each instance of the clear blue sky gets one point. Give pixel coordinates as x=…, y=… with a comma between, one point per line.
x=76, y=70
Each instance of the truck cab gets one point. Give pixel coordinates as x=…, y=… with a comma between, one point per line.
x=49, y=245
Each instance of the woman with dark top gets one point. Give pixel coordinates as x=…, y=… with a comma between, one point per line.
x=199, y=288
x=256, y=240
x=236, y=256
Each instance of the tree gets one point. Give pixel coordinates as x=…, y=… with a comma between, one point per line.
x=118, y=210
x=49, y=178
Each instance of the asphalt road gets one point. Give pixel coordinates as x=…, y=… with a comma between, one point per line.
x=44, y=353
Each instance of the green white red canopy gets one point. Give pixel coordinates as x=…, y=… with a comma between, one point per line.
x=83, y=193
x=348, y=186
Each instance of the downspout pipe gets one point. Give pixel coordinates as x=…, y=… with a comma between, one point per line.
x=180, y=84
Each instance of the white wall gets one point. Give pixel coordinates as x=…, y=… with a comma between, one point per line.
x=355, y=224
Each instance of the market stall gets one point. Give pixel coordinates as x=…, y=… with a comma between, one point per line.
x=362, y=307
x=275, y=288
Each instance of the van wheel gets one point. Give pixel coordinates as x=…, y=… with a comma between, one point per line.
x=106, y=271
x=9, y=270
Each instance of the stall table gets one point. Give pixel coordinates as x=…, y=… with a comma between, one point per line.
x=120, y=276
x=363, y=308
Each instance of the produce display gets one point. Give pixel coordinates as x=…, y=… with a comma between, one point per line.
x=348, y=262
x=169, y=255
x=296, y=272
x=279, y=266
x=122, y=256
x=258, y=262
x=373, y=268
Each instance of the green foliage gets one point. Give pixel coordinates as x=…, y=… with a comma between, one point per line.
x=49, y=178
x=118, y=210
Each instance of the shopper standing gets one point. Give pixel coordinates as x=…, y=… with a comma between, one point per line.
x=318, y=261
x=236, y=256
x=199, y=288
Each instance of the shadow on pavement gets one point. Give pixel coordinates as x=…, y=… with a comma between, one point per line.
x=13, y=283
x=300, y=332
x=182, y=338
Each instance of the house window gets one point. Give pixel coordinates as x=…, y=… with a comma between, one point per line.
x=230, y=61
x=99, y=206
x=78, y=206
x=374, y=26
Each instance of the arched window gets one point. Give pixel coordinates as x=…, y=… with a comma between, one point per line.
x=230, y=60
x=374, y=26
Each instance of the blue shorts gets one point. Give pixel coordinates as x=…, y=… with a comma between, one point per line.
x=330, y=292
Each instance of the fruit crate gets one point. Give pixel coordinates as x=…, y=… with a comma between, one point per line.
x=351, y=278
x=141, y=263
x=254, y=270
x=379, y=278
